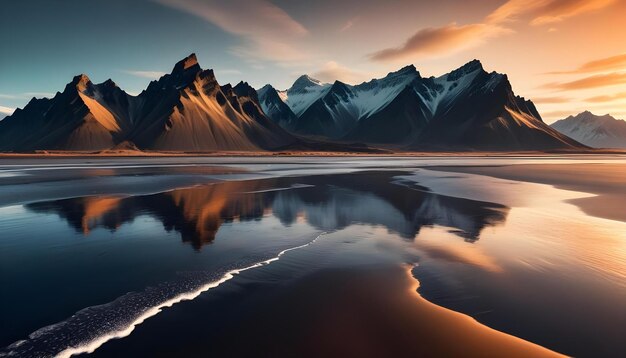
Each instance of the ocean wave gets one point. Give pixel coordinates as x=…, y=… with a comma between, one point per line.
x=90, y=328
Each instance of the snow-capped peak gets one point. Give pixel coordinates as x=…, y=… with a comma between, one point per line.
x=470, y=67
x=406, y=70
x=303, y=93
x=593, y=130
x=303, y=82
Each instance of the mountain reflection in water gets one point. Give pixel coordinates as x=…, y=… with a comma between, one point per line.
x=327, y=202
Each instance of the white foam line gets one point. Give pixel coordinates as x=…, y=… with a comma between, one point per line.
x=91, y=346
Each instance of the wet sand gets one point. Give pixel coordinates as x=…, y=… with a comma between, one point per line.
x=343, y=299
x=372, y=311
x=607, y=181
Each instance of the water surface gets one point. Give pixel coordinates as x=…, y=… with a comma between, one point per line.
x=79, y=267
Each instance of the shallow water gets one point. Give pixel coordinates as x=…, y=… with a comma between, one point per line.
x=90, y=249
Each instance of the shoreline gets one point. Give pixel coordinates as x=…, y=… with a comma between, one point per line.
x=367, y=312
x=148, y=154
x=606, y=181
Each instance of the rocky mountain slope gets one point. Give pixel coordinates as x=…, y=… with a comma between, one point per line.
x=467, y=108
x=186, y=110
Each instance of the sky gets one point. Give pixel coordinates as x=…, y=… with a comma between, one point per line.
x=566, y=55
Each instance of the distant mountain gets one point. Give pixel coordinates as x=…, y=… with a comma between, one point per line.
x=467, y=108
x=594, y=131
x=186, y=110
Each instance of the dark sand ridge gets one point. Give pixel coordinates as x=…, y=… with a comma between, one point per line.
x=322, y=150
x=607, y=181
x=366, y=312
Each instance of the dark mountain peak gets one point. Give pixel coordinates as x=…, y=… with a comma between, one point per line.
x=406, y=70
x=244, y=89
x=338, y=90
x=184, y=74
x=227, y=88
x=268, y=88
x=108, y=85
x=184, y=71
x=472, y=66
x=339, y=87
x=188, y=63
x=270, y=94
x=303, y=82
x=207, y=74
x=80, y=82
x=82, y=78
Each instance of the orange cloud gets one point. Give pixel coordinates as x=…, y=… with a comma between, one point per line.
x=545, y=11
x=551, y=100
x=6, y=110
x=559, y=114
x=145, y=74
x=435, y=41
x=559, y=10
x=512, y=9
x=617, y=62
x=607, y=98
x=334, y=71
x=609, y=79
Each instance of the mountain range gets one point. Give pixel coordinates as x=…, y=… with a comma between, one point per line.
x=594, y=131
x=188, y=110
x=467, y=108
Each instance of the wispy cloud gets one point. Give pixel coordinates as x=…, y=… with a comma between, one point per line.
x=268, y=50
x=332, y=71
x=559, y=114
x=229, y=71
x=452, y=38
x=348, y=25
x=542, y=12
x=6, y=110
x=617, y=62
x=439, y=41
x=10, y=96
x=26, y=95
x=603, y=80
x=38, y=94
x=606, y=98
x=551, y=99
x=559, y=10
x=266, y=29
x=144, y=74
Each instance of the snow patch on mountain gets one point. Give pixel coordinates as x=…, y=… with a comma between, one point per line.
x=593, y=130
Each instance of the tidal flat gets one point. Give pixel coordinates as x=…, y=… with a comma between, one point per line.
x=364, y=256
